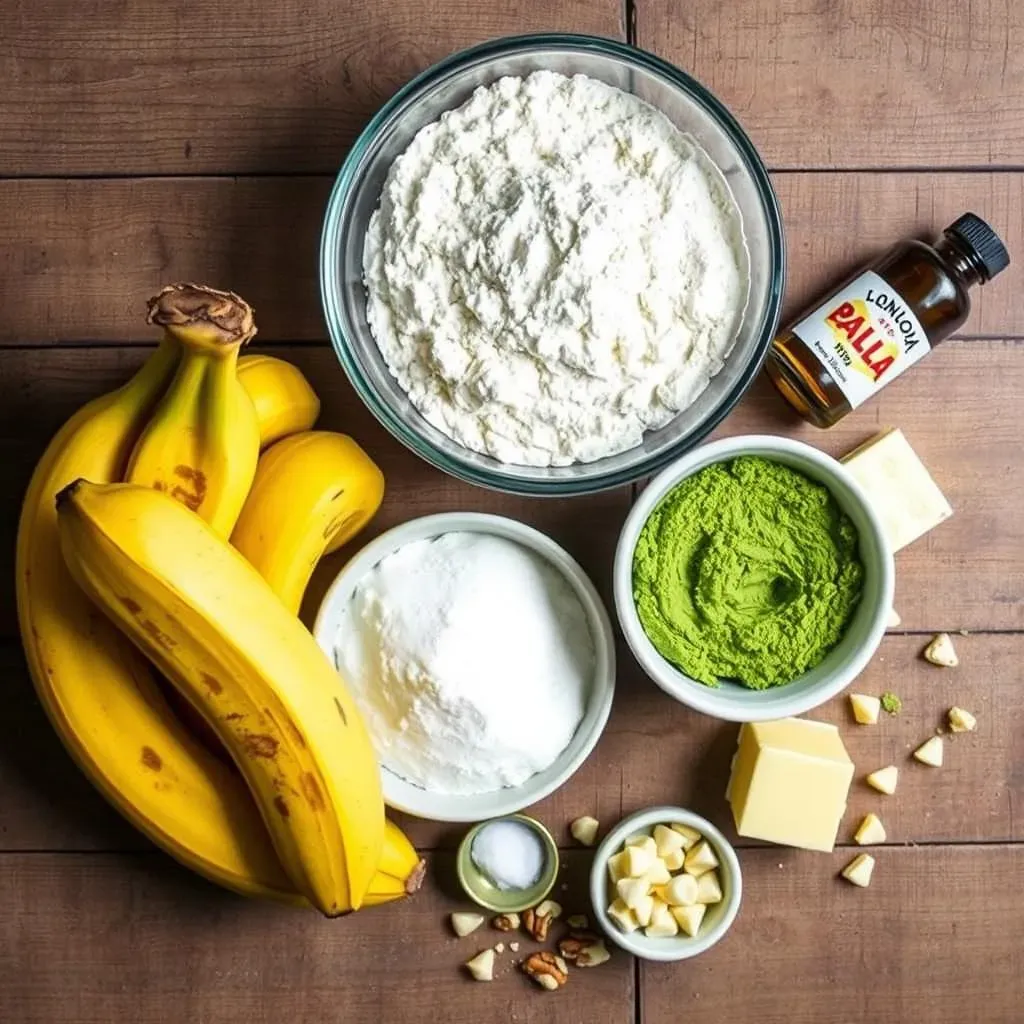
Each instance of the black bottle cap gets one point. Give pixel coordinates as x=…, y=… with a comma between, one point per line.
x=984, y=243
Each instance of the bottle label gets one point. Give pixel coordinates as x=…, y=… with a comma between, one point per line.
x=865, y=335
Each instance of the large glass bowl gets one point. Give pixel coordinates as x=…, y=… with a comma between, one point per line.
x=449, y=84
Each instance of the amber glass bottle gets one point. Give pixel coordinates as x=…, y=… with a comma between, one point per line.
x=842, y=351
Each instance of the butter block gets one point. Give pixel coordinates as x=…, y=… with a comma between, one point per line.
x=789, y=783
x=900, y=488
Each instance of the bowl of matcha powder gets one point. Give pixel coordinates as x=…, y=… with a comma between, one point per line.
x=753, y=579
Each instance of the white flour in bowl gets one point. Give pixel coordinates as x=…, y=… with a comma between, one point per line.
x=554, y=269
x=471, y=659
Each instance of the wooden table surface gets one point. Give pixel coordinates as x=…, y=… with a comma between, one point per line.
x=149, y=141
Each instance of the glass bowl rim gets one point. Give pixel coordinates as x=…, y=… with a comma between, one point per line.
x=330, y=290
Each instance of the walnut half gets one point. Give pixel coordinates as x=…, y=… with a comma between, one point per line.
x=547, y=969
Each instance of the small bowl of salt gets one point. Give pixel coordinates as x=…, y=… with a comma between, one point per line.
x=507, y=864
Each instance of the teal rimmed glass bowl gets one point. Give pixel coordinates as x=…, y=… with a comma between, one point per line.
x=447, y=85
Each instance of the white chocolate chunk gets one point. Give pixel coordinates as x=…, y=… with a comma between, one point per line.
x=584, y=830
x=709, y=888
x=858, y=871
x=884, y=780
x=675, y=859
x=930, y=752
x=658, y=873
x=689, y=918
x=690, y=835
x=644, y=841
x=482, y=966
x=893, y=620
x=639, y=860
x=870, y=831
x=663, y=925
x=464, y=924
x=617, y=867
x=681, y=891
x=961, y=720
x=940, y=651
x=643, y=912
x=700, y=858
x=632, y=891
x=667, y=840
x=901, y=491
x=623, y=917
x=865, y=708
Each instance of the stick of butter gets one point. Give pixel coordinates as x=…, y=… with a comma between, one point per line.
x=902, y=492
x=789, y=782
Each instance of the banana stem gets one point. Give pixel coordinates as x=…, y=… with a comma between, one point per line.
x=200, y=316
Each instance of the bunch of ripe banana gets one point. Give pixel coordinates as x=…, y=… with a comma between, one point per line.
x=130, y=594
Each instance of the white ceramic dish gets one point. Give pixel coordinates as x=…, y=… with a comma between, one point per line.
x=719, y=916
x=732, y=701
x=404, y=796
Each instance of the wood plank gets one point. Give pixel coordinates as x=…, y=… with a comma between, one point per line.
x=930, y=940
x=228, y=86
x=856, y=84
x=654, y=751
x=102, y=938
x=78, y=259
x=967, y=574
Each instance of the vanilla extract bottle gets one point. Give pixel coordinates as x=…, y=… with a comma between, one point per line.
x=882, y=321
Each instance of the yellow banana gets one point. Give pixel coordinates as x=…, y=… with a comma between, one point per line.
x=217, y=631
x=202, y=442
x=400, y=870
x=99, y=692
x=285, y=403
x=312, y=493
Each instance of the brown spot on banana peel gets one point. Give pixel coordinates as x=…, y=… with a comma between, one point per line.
x=159, y=637
x=151, y=759
x=282, y=807
x=311, y=791
x=131, y=604
x=234, y=716
x=341, y=711
x=212, y=683
x=259, y=744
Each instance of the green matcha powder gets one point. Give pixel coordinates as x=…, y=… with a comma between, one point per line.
x=747, y=571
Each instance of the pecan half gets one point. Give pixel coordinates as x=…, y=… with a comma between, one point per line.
x=547, y=969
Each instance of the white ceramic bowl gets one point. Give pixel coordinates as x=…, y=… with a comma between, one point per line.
x=404, y=796
x=719, y=916
x=844, y=662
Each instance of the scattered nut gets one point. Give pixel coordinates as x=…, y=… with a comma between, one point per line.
x=482, y=966
x=505, y=922
x=578, y=922
x=961, y=720
x=464, y=924
x=538, y=919
x=514, y=947
x=584, y=830
x=584, y=950
x=547, y=969
x=499, y=947
x=940, y=651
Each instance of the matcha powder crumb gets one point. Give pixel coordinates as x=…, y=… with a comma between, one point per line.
x=746, y=571
x=891, y=704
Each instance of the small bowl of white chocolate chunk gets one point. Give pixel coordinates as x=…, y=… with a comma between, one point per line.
x=665, y=884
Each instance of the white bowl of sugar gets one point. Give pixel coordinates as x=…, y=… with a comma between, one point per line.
x=483, y=659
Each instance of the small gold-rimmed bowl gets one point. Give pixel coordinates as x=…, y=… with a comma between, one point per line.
x=479, y=888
